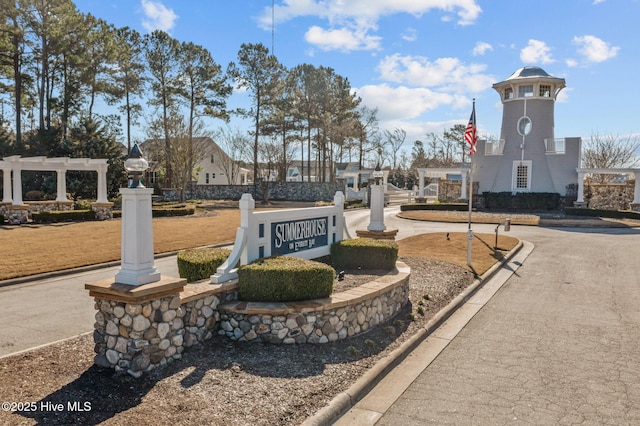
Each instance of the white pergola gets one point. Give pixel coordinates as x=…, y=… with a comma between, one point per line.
x=442, y=173
x=14, y=165
x=583, y=172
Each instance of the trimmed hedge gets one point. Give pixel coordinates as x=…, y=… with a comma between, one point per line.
x=63, y=216
x=284, y=279
x=175, y=210
x=613, y=214
x=521, y=200
x=364, y=253
x=459, y=207
x=201, y=263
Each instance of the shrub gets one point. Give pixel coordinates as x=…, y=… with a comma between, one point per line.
x=82, y=205
x=434, y=206
x=521, y=200
x=1, y=218
x=284, y=279
x=35, y=195
x=63, y=216
x=613, y=214
x=201, y=263
x=173, y=210
x=365, y=253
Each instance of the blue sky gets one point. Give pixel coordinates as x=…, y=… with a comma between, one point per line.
x=421, y=62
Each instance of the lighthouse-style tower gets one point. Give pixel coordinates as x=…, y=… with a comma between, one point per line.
x=528, y=157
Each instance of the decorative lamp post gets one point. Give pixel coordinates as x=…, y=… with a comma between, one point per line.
x=135, y=165
x=137, y=264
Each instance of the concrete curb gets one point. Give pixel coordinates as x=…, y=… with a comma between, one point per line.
x=88, y=268
x=346, y=400
x=24, y=351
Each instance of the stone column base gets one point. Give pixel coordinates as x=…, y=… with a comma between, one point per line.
x=635, y=207
x=137, y=328
x=580, y=205
x=378, y=235
x=17, y=214
x=103, y=211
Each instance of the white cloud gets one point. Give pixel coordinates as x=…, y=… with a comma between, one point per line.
x=447, y=74
x=598, y=1
x=536, y=52
x=362, y=16
x=402, y=103
x=157, y=16
x=594, y=49
x=481, y=48
x=410, y=34
x=341, y=39
x=571, y=63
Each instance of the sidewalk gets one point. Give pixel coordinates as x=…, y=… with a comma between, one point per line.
x=384, y=384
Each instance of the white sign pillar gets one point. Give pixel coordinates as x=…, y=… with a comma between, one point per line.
x=137, y=264
x=376, y=221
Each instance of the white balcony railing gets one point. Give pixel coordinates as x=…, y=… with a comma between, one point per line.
x=494, y=147
x=554, y=146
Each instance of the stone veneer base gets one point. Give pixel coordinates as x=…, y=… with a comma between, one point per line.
x=334, y=318
x=139, y=328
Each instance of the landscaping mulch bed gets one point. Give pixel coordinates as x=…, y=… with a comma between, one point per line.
x=221, y=382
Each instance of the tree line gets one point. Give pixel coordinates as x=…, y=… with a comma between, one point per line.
x=57, y=64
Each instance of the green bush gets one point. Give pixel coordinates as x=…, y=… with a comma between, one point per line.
x=173, y=210
x=437, y=206
x=364, y=253
x=63, y=216
x=613, y=214
x=201, y=263
x=284, y=279
x=82, y=205
x=521, y=200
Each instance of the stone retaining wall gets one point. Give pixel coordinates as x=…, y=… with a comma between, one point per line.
x=137, y=333
x=49, y=206
x=138, y=337
x=290, y=191
x=609, y=196
x=318, y=321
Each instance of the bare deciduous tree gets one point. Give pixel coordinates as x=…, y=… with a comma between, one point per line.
x=609, y=151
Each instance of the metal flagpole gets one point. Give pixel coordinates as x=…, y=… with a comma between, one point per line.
x=471, y=137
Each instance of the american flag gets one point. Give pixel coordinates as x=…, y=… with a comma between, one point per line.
x=471, y=133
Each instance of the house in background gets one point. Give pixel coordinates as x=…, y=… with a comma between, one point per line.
x=527, y=157
x=297, y=169
x=213, y=168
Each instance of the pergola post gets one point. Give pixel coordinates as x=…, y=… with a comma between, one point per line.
x=636, y=188
x=102, y=184
x=420, y=183
x=580, y=198
x=17, y=183
x=6, y=185
x=62, y=185
x=463, y=190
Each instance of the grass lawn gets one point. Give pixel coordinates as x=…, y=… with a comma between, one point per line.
x=34, y=249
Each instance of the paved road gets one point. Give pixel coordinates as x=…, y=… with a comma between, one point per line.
x=557, y=344
x=50, y=309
